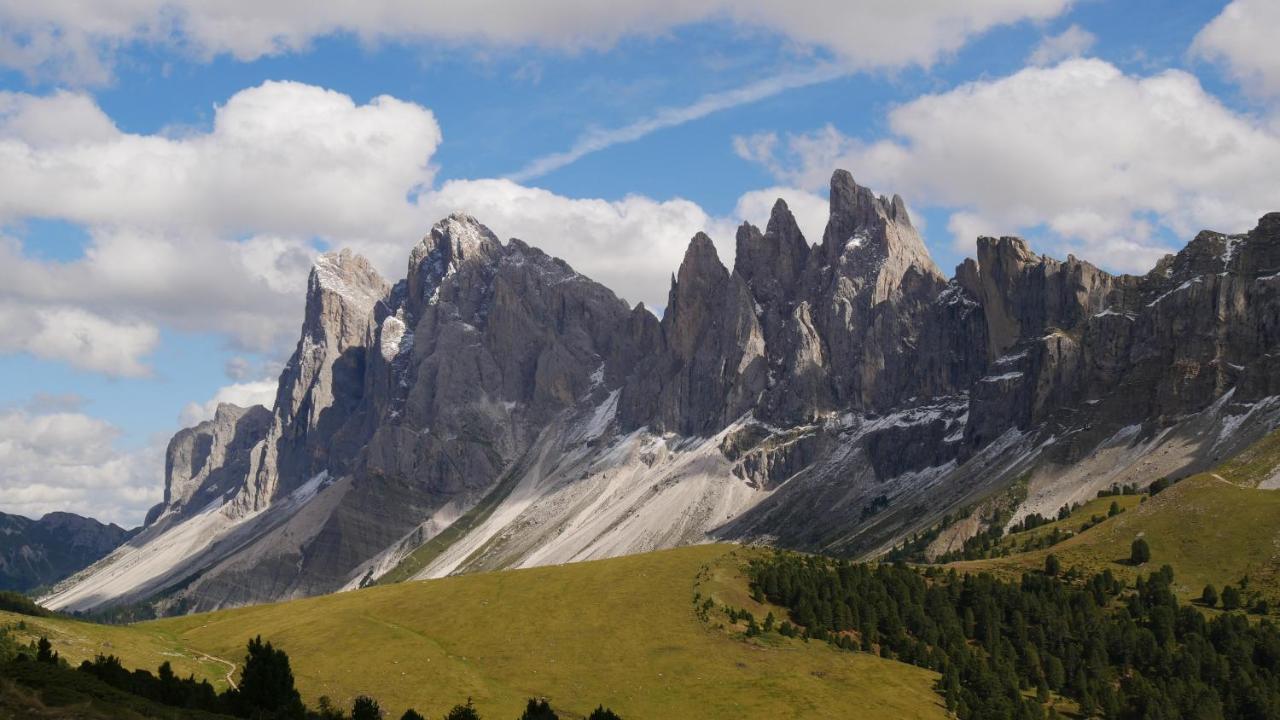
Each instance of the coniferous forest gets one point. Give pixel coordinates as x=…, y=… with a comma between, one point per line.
x=1006, y=649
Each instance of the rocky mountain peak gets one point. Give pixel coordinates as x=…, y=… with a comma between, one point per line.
x=871, y=238
x=855, y=204
x=38, y=553
x=453, y=242
x=1006, y=251
x=695, y=295
x=700, y=258
x=1252, y=254
x=1261, y=254
x=342, y=292
x=349, y=277
x=772, y=262
x=1023, y=294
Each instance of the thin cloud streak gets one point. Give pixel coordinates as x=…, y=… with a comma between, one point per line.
x=596, y=140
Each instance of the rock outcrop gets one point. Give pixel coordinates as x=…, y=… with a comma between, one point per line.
x=495, y=408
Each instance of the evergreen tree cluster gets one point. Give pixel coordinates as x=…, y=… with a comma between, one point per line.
x=1116, y=490
x=164, y=687
x=1005, y=649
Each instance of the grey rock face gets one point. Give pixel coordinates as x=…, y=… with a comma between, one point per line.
x=323, y=381
x=710, y=364
x=207, y=462
x=830, y=396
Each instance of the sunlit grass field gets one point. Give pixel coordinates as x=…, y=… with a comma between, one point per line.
x=622, y=632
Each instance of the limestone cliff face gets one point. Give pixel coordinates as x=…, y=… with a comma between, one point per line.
x=323, y=380
x=211, y=460
x=830, y=396
x=709, y=366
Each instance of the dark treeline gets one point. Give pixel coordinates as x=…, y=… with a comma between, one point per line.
x=266, y=689
x=21, y=604
x=1006, y=649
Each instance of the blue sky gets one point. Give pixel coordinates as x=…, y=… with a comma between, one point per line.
x=172, y=173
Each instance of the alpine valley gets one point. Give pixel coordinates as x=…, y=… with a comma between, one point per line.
x=495, y=409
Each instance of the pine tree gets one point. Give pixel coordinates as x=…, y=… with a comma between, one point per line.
x=44, y=652
x=1210, y=596
x=412, y=714
x=366, y=708
x=1051, y=566
x=266, y=684
x=1230, y=598
x=539, y=710
x=463, y=712
x=603, y=713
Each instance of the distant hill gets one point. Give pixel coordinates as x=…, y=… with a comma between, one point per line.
x=38, y=553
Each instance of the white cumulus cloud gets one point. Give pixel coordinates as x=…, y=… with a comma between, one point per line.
x=78, y=39
x=70, y=461
x=208, y=231
x=282, y=157
x=1243, y=37
x=78, y=337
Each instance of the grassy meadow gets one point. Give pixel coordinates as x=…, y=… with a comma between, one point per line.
x=623, y=632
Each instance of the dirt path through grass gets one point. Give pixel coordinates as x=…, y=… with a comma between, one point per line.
x=230, y=665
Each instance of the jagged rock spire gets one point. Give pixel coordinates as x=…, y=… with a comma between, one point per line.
x=877, y=229
x=772, y=262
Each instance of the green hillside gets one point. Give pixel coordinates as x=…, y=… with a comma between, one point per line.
x=137, y=646
x=1207, y=529
x=623, y=632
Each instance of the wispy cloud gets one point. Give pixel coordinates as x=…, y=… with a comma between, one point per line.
x=601, y=139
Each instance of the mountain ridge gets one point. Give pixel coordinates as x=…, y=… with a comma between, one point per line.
x=775, y=401
x=37, y=553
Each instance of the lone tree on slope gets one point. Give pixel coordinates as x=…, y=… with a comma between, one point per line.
x=1052, y=566
x=1139, y=552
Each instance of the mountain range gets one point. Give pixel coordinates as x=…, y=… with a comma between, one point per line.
x=497, y=409
x=37, y=553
